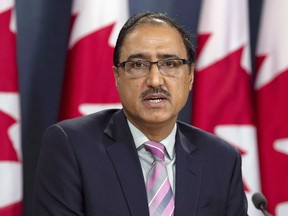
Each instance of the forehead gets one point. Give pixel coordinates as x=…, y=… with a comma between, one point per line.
x=153, y=40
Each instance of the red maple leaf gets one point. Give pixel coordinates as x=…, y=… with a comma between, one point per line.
x=202, y=39
x=272, y=105
x=8, y=66
x=7, y=152
x=89, y=76
x=8, y=83
x=222, y=93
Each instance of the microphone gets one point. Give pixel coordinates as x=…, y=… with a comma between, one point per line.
x=260, y=203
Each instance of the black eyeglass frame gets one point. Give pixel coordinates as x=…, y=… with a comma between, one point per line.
x=123, y=64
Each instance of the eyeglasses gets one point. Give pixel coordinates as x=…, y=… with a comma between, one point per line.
x=167, y=67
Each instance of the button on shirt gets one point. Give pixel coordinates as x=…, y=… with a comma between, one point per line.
x=146, y=159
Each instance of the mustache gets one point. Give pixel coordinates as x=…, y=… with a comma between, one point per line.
x=155, y=91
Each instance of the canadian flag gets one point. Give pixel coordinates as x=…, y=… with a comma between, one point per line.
x=272, y=104
x=89, y=80
x=222, y=91
x=10, y=150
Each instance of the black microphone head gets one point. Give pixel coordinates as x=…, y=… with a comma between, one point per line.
x=259, y=200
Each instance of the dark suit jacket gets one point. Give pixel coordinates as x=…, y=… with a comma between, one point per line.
x=90, y=166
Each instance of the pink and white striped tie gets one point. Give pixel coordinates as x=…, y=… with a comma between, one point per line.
x=159, y=192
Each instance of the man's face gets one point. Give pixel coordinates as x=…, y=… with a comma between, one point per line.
x=141, y=106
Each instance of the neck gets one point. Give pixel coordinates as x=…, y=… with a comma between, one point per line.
x=155, y=132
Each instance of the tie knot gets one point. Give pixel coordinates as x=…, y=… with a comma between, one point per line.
x=156, y=149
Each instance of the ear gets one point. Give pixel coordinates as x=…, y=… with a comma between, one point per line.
x=116, y=75
x=191, y=77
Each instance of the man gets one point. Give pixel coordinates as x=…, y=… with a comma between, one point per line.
x=108, y=163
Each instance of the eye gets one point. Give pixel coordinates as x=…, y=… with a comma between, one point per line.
x=171, y=63
x=137, y=64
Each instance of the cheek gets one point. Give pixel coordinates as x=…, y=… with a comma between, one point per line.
x=183, y=85
x=128, y=88
x=181, y=90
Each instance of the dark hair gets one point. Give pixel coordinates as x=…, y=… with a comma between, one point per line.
x=152, y=18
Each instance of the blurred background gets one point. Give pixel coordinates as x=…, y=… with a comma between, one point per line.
x=56, y=63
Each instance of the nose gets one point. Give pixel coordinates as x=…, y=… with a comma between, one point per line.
x=155, y=78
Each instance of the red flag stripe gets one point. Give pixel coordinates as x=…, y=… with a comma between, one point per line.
x=222, y=99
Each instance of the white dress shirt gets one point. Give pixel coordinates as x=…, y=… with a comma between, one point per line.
x=146, y=159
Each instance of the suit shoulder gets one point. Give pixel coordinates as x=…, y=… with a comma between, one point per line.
x=205, y=140
x=82, y=130
x=99, y=119
x=97, y=116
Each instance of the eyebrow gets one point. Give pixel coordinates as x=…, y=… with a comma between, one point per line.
x=145, y=56
x=138, y=55
x=167, y=56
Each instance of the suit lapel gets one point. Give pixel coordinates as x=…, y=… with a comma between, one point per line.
x=124, y=157
x=188, y=177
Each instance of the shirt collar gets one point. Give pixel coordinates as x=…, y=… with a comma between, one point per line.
x=140, y=138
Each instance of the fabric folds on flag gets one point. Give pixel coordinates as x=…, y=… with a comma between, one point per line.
x=89, y=84
x=222, y=101
x=10, y=149
x=272, y=104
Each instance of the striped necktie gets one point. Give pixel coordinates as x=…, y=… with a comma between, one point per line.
x=159, y=192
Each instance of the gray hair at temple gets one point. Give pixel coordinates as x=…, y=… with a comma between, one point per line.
x=154, y=19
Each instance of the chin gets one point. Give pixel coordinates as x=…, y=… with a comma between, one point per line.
x=156, y=118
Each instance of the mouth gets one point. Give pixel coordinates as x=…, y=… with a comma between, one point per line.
x=155, y=99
